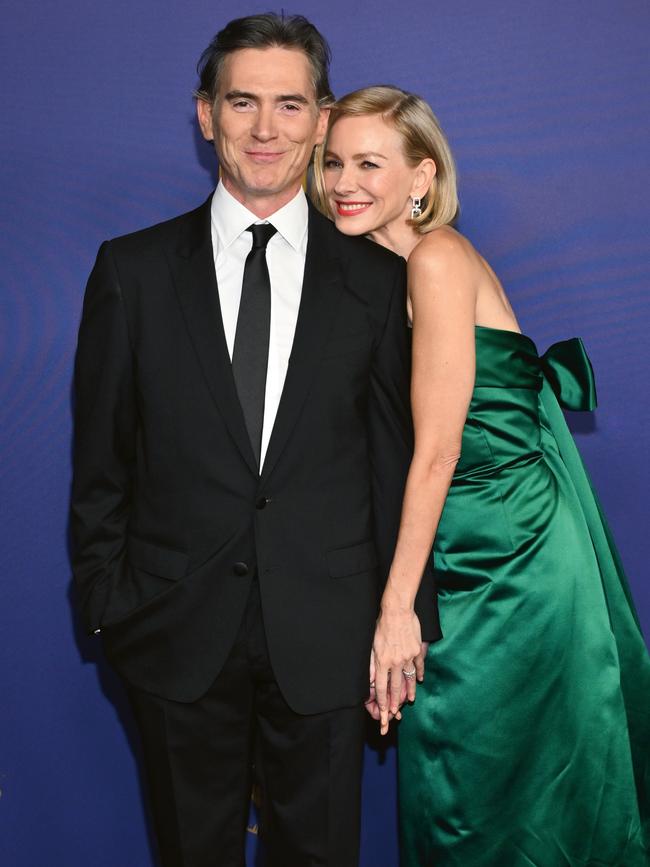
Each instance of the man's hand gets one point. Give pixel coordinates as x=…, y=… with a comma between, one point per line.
x=371, y=702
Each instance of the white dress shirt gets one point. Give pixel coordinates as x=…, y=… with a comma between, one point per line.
x=285, y=258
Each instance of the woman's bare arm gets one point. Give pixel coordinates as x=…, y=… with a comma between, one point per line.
x=444, y=272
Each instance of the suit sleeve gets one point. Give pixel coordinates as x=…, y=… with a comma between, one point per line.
x=104, y=445
x=391, y=445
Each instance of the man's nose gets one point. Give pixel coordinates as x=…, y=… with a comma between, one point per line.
x=265, y=127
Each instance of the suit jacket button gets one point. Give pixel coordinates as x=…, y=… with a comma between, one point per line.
x=240, y=569
x=261, y=502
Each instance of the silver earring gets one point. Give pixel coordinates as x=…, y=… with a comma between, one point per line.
x=416, y=210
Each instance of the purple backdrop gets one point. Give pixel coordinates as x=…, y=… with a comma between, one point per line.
x=546, y=105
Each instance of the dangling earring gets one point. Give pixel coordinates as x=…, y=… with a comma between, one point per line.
x=416, y=210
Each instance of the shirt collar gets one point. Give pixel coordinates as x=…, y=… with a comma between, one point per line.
x=230, y=218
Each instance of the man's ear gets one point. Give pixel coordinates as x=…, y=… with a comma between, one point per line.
x=204, y=115
x=321, y=129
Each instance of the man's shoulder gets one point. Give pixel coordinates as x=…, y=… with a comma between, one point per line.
x=162, y=234
x=358, y=248
x=361, y=247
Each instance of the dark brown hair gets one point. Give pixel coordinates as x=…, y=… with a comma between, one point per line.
x=265, y=31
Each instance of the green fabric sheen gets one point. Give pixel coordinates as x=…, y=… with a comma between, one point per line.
x=528, y=742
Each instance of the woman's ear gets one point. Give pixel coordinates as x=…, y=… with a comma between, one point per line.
x=422, y=178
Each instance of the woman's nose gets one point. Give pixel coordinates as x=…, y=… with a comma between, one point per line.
x=346, y=181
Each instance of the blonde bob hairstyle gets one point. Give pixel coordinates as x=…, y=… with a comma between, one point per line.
x=422, y=139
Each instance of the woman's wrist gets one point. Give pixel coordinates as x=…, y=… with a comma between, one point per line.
x=396, y=599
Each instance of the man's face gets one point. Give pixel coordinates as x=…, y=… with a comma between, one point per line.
x=265, y=124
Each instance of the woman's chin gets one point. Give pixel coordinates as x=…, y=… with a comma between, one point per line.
x=350, y=226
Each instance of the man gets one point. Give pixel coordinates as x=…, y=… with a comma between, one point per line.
x=242, y=440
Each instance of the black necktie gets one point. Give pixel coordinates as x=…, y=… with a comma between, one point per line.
x=251, y=351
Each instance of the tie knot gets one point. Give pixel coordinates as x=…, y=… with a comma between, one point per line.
x=262, y=234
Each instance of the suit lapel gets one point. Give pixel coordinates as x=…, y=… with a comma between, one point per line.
x=192, y=266
x=321, y=290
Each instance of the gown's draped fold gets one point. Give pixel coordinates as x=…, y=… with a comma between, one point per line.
x=528, y=742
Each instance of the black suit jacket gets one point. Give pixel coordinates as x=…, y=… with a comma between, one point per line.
x=170, y=518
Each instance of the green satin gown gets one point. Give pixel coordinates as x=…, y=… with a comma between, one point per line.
x=529, y=740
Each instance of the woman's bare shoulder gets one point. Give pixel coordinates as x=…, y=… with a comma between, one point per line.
x=444, y=252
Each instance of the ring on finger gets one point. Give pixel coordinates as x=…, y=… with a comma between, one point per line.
x=410, y=673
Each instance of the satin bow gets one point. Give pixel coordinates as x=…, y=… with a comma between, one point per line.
x=567, y=367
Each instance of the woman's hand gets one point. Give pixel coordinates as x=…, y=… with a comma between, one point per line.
x=397, y=660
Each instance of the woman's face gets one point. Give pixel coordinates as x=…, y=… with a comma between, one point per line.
x=367, y=179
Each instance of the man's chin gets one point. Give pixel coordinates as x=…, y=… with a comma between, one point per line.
x=262, y=187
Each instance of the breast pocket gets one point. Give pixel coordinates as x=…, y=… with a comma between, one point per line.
x=344, y=345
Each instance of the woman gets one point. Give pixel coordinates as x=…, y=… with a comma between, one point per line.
x=528, y=741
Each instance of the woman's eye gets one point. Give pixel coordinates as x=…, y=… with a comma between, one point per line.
x=332, y=164
x=367, y=164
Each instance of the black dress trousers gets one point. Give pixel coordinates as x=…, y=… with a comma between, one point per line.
x=199, y=757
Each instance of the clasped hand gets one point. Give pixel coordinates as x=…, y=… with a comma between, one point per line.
x=397, y=648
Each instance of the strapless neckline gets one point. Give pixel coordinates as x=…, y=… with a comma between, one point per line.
x=501, y=330
x=507, y=331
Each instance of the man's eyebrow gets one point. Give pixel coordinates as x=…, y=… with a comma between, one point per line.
x=233, y=95
x=292, y=97
x=239, y=94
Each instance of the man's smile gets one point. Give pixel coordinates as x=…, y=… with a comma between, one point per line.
x=259, y=156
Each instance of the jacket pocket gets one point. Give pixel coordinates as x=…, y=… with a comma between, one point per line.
x=360, y=341
x=352, y=560
x=162, y=562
